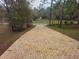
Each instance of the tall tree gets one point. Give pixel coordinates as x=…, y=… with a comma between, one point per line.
x=18, y=12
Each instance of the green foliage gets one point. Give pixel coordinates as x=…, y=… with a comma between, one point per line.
x=68, y=9
x=19, y=13
x=72, y=32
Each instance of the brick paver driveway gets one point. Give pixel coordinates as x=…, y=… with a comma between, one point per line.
x=43, y=43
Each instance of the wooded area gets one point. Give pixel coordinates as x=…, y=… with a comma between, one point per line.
x=50, y=20
x=65, y=11
x=17, y=13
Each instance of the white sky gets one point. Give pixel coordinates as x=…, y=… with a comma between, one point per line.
x=1, y=2
x=77, y=1
x=36, y=3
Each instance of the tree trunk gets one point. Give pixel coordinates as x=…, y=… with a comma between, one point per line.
x=50, y=20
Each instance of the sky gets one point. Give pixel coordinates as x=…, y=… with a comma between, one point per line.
x=1, y=2
x=36, y=3
x=77, y=1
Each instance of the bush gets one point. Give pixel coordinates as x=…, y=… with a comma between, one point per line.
x=71, y=22
x=66, y=22
x=18, y=14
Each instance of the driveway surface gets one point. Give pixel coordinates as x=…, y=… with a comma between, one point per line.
x=43, y=43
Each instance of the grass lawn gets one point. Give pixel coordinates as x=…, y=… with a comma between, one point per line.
x=42, y=21
x=8, y=38
x=72, y=32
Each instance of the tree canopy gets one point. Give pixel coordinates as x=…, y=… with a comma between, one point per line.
x=18, y=12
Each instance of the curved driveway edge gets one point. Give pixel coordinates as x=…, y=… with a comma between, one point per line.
x=43, y=43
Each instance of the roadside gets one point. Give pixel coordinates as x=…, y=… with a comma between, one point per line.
x=71, y=32
x=43, y=43
x=8, y=38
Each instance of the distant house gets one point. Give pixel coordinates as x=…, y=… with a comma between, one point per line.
x=40, y=18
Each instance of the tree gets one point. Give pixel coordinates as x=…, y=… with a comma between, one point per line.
x=65, y=9
x=19, y=13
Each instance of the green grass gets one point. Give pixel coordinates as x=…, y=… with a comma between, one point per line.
x=43, y=21
x=72, y=32
x=46, y=21
x=69, y=30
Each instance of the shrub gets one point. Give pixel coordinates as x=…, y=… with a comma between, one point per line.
x=66, y=22
x=71, y=22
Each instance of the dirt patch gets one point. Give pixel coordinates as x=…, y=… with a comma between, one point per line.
x=7, y=38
